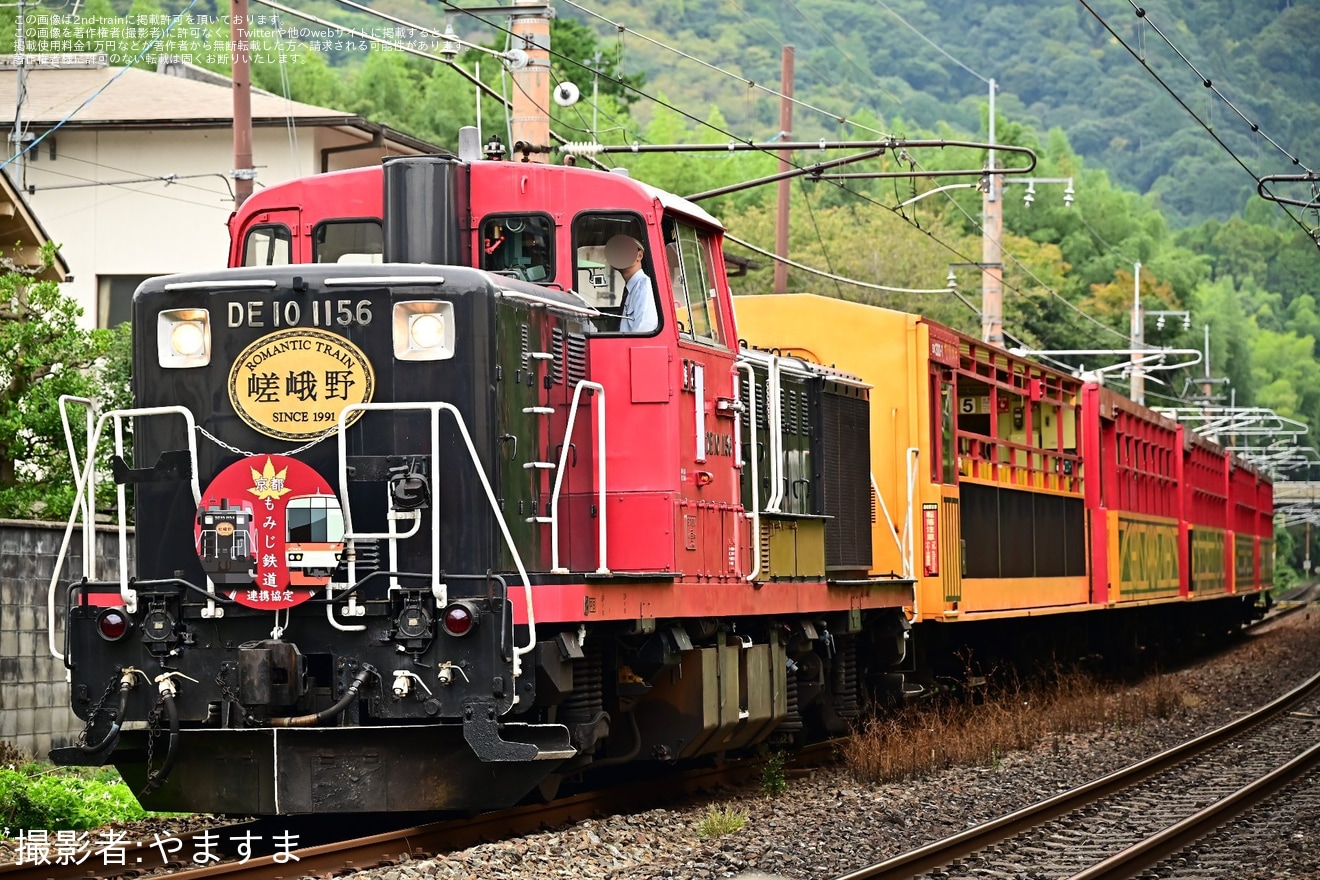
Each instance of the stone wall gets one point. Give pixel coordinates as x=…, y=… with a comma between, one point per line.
x=34, y=695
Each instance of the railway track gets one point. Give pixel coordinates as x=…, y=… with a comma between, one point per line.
x=1121, y=824
x=420, y=841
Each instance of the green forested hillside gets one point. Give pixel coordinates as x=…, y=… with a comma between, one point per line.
x=1055, y=65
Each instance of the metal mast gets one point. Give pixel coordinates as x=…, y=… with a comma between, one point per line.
x=992, y=246
x=785, y=162
x=244, y=173
x=530, y=121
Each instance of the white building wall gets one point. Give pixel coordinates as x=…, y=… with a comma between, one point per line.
x=154, y=228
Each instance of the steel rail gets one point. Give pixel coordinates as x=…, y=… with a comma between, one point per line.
x=417, y=841
x=139, y=857
x=942, y=852
x=425, y=841
x=1154, y=849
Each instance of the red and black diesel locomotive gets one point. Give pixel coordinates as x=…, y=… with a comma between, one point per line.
x=552, y=539
x=505, y=532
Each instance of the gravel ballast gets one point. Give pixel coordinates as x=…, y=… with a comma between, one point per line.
x=828, y=823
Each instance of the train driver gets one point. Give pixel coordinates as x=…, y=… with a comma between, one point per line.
x=623, y=252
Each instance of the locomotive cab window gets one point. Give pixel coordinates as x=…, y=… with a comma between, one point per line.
x=519, y=246
x=689, y=254
x=615, y=272
x=268, y=245
x=348, y=241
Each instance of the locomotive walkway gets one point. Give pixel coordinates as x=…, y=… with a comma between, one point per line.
x=1122, y=824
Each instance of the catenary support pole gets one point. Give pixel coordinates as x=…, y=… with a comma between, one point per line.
x=1138, y=339
x=241, y=73
x=530, y=122
x=785, y=162
x=992, y=245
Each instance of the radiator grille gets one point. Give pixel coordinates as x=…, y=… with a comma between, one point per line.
x=557, y=349
x=846, y=456
x=576, y=353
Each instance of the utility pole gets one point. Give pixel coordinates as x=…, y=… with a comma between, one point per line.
x=244, y=173
x=1205, y=389
x=785, y=163
x=530, y=120
x=1138, y=339
x=992, y=246
x=1306, y=563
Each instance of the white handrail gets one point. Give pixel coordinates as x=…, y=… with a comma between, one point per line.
x=121, y=504
x=774, y=410
x=435, y=408
x=86, y=478
x=582, y=385
x=699, y=421
x=893, y=529
x=89, y=535
x=755, y=515
x=913, y=454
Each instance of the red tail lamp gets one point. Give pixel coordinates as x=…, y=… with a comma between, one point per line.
x=459, y=619
x=113, y=624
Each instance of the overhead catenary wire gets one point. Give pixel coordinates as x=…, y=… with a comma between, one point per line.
x=829, y=264
x=936, y=46
x=778, y=39
x=1208, y=83
x=402, y=47
x=974, y=221
x=178, y=180
x=750, y=83
x=292, y=129
x=731, y=136
x=97, y=93
x=167, y=179
x=1027, y=270
x=830, y=275
x=977, y=224
x=1072, y=306
x=1209, y=129
x=125, y=185
x=734, y=138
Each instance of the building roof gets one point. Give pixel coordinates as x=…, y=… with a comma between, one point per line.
x=21, y=235
x=136, y=98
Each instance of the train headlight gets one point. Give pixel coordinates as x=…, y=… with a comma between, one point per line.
x=183, y=338
x=188, y=338
x=423, y=330
x=426, y=331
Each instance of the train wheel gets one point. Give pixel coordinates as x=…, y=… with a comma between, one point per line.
x=548, y=789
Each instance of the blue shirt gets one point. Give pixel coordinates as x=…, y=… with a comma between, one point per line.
x=639, y=315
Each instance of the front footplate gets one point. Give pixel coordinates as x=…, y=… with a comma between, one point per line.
x=528, y=742
x=332, y=770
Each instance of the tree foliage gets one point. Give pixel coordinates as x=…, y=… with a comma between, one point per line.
x=44, y=355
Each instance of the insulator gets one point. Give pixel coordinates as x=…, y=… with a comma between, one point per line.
x=581, y=148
